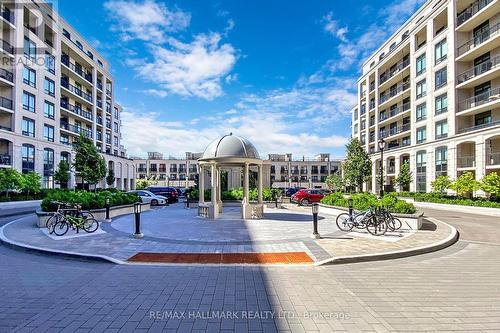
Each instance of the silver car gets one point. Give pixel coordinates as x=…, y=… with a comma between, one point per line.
x=150, y=197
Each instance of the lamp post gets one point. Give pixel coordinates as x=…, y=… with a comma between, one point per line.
x=381, y=147
x=137, y=212
x=315, y=209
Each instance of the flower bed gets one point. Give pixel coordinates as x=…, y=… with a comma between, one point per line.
x=363, y=201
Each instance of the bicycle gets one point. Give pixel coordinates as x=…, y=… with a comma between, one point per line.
x=65, y=209
x=393, y=223
x=347, y=222
x=90, y=225
x=377, y=225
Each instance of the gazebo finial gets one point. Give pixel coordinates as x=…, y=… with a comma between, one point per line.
x=230, y=133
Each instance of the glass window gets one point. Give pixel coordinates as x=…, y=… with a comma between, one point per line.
x=421, y=134
x=441, y=78
x=421, y=179
x=116, y=112
x=421, y=64
x=28, y=101
x=48, y=132
x=116, y=141
x=116, y=127
x=50, y=63
x=441, y=161
x=28, y=158
x=48, y=110
x=441, y=103
x=441, y=129
x=441, y=51
x=29, y=48
x=28, y=127
x=421, y=111
x=29, y=76
x=421, y=88
x=482, y=118
x=50, y=87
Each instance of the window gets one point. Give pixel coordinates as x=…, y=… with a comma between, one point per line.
x=29, y=76
x=28, y=101
x=421, y=89
x=79, y=45
x=482, y=118
x=440, y=51
x=421, y=134
x=116, y=112
x=441, y=129
x=421, y=178
x=421, y=64
x=441, y=78
x=355, y=128
x=48, y=132
x=28, y=127
x=421, y=111
x=66, y=33
x=441, y=161
x=49, y=87
x=50, y=63
x=116, y=141
x=441, y=104
x=28, y=158
x=48, y=110
x=116, y=127
x=29, y=48
x=100, y=63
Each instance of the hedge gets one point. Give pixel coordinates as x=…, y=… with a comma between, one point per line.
x=363, y=201
x=237, y=194
x=88, y=200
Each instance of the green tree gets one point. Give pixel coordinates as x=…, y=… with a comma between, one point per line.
x=10, y=180
x=405, y=177
x=110, y=178
x=441, y=184
x=31, y=183
x=62, y=174
x=465, y=185
x=335, y=182
x=89, y=164
x=491, y=184
x=357, y=167
x=141, y=184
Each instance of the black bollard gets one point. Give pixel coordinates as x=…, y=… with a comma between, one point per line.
x=107, y=211
x=137, y=211
x=350, y=206
x=315, y=233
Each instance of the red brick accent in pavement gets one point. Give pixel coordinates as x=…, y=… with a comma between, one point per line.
x=223, y=258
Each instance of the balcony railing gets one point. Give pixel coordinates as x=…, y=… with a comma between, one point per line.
x=480, y=99
x=8, y=15
x=77, y=69
x=395, y=130
x=108, y=92
x=493, y=159
x=5, y=159
x=7, y=47
x=393, y=71
x=471, y=11
x=76, y=129
x=76, y=90
x=99, y=85
x=391, y=113
x=478, y=70
x=478, y=127
x=478, y=40
x=5, y=74
x=76, y=110
x=141, y=169
x=466, y=161
x=393, y=92
x=391, y=169
x=6, y=103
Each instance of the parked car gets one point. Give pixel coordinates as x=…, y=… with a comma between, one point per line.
x=169, y=192
x=326, y=191
x=292, y=190
x=307, y=196
x=149, y=197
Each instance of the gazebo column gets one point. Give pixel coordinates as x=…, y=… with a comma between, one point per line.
x=213, y=197
x=246, y=183
x=201, y=185
x=219, y=189
x=260, y=184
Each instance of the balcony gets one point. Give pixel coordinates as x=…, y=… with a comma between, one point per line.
x=76, y=110
x=482, y=102
x=108, y=92
x=141, y=169
x=395, y=131
x=8, y=16
x=493, y=159
x=468, y=19
x=478, y=127
x=77, y=91
x=6, y=75
x=466, y=161
x=478, y=45
x=394, y=112
x=99, y=103
x=76, y=129
x=76, y=69
x=5, y=160
x=6, y=47
x=391, y=72
x=393, y=92
x=6, y=103
x=481, y=73
x=99, y=85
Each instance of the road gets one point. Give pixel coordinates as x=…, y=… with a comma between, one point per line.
x=453, y=289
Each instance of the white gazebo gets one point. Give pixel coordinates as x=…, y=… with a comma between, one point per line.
x=230, y=152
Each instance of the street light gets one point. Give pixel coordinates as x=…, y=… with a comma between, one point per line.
x=315, y=210
x=137, y=212
x=381, y=147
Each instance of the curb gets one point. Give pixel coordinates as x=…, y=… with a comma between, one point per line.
x=69, y=254
x=448, y=241
x=23, y=212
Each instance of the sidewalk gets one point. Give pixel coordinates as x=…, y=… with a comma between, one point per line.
x=15, y=208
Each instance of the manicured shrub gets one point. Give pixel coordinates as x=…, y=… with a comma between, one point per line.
x=88, y=200
x=363, y=201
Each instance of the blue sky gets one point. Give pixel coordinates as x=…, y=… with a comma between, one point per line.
x=280, y=73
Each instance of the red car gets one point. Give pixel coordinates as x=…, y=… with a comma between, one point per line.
x=305, y=197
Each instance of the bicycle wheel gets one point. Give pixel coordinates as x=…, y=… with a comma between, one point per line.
x=61, y=228
x=87, y=214
x=52, y=221
x=344, y=222
x=376, y=227
x=394, y=224
x=90, y=225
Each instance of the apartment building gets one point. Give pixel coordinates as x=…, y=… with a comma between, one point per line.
x=280, y=170
x=432, y=93
x=53, y=87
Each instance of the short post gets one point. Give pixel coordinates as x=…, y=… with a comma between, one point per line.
x=349, y=201
x=107, y=219
x=276, y=201
x=186, y=203
x=137, y=212
x=315, y=208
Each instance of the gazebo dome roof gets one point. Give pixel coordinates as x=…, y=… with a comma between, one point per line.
x=231, y=146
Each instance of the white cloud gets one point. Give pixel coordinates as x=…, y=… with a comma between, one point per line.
x=147, y=20
x=156, y=92
x=189, y=69
x=333, y=28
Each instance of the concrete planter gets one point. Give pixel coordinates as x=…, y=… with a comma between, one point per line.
x=99, y=214
x=413, y=221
